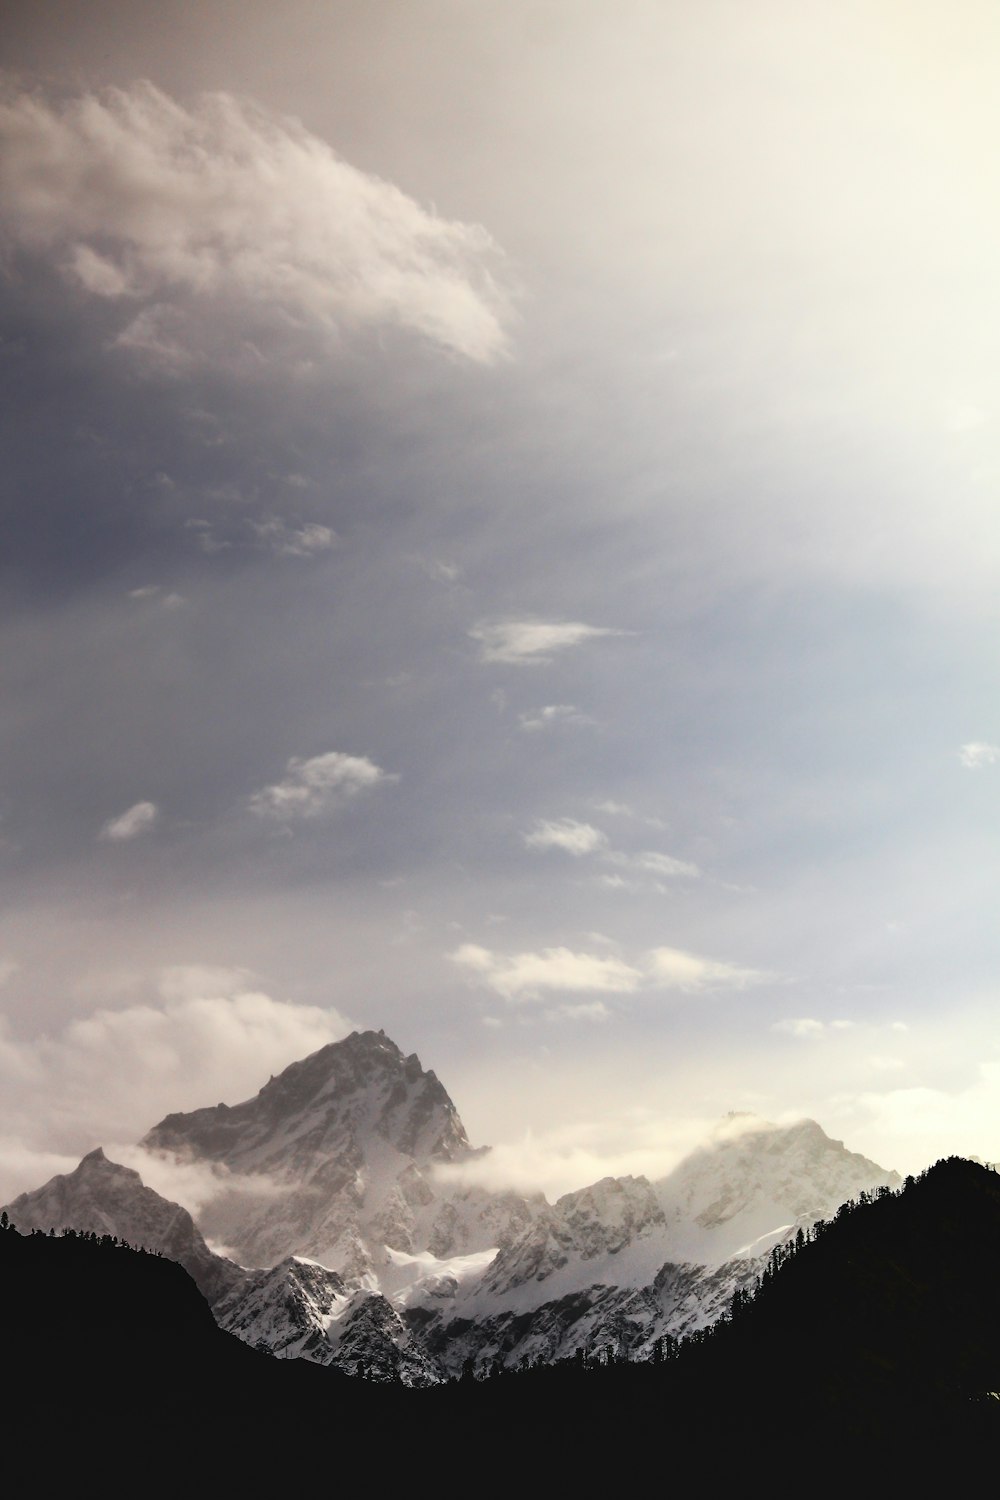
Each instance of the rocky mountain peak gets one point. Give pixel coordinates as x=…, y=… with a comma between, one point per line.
x=333, y=1159
x=105, y=1197
x=330, y=1104
x=756, y=1176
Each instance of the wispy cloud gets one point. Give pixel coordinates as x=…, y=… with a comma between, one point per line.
x=527, y=976
x=551, y=716
x=566, y=834
x=625, y=810
x=579, y=839
x=978, y=753
x=532, y=642
x=675, y=969
x=522, y=977
x=664, y=864
x=804, y=1028
x=136, y=820
x=223, y=209
x=284, y=540
x=318, y=785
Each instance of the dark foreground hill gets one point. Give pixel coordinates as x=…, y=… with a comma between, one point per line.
x=872, y=1351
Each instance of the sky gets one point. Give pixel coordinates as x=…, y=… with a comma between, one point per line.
x=501, y=544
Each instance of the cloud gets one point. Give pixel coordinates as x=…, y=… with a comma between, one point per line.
x=578, y=839
x=633, y=1143
x=567, y=834
x=664, y=864
x=208, y=1035
x=154, y=591
x=129, y=825
x=192, y=1184
x=552, y=715
x=585, y=1010
x=275, y=535
x=624, y=810
x=978, y=753
x=803, y=1027
x=185, y=215
x=920, y=1124
x=319, y=785
x=522, y=977
x=531, y=642
x=672, y=968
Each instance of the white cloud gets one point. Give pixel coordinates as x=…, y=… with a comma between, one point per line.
x=110, y=1076
x=586, y=1010
x=917, y=1125
x=633, y=1143
x=531, y=642
x=154, y=591
x=523, y=977
x=803, y=1027
x=528, y=976
x=551, y=715
x=189, y=216
x=318, y=785
x=192, y=1184
x=130, y=824
x=978, y=753
x=624, y=810
x=665, y=864
x=566, y=834
x=307, y=540
x=675, y=969
x=577, y=838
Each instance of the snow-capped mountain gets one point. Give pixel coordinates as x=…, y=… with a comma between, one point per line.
x=105, y=1198
x=625, y=1262
x=373, y=1262
x=336, y=1158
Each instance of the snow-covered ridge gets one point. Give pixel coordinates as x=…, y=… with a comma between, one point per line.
x=372, y=1262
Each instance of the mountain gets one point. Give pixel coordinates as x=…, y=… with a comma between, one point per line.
x=625, y=1264
x=102, y=1197
x=870, y=1357
x=333, y=1160
x=357, y=1250
x=882, y=1323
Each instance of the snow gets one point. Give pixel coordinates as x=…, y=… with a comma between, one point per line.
x=332, y=1191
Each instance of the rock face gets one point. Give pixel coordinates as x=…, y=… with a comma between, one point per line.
x=105, y=1198
x=374, y=1263
x=337, y=1156
x=624, y=1264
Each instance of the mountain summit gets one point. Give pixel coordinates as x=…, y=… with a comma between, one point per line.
x=103, y=1197
x=333, y=1159
x=325, y=1106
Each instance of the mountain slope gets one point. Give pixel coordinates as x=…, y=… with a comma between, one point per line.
x=333, y=1181
x=866, y=1358
x=102, y=1197
x=334, y=1159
